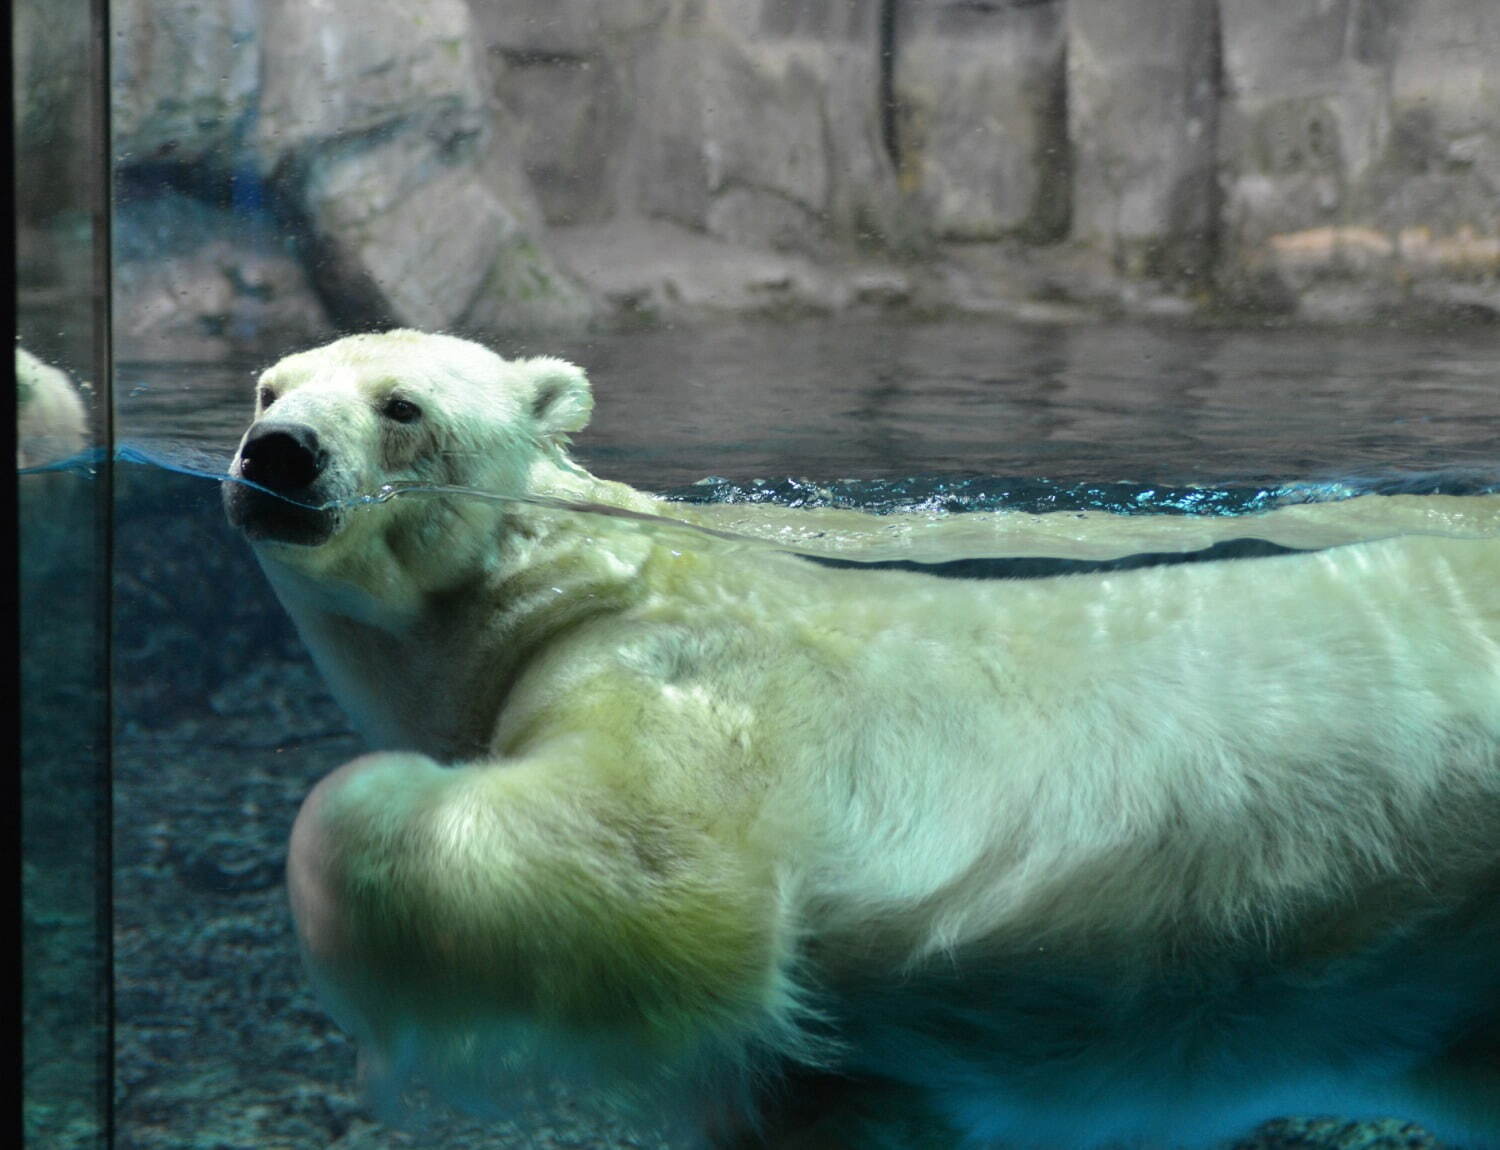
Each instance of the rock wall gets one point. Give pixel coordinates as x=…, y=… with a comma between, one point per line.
x=1360, y=152
x=750, y=121
x=357, y=139
x=1143, y=109
x=485, y=165
x=982, y=141
x=1336, y=161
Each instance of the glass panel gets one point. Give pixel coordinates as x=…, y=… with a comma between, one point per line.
x=863, y=280
x=63, y=506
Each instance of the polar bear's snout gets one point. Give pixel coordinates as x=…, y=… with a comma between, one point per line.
x=285, y=461
x=285, y=457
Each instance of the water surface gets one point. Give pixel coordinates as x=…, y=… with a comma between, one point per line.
x=873, y=400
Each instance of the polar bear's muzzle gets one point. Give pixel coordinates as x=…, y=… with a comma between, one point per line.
x=287, y=464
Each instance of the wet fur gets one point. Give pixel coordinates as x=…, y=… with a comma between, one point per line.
x=1140, y=858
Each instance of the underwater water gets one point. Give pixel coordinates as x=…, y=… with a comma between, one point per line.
x=221, y=725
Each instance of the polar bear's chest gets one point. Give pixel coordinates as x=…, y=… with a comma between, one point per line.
x=381, y=669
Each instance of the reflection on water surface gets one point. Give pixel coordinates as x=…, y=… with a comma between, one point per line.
x=888, y=400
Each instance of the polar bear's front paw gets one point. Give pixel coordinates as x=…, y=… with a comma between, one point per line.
x=483, y=923
x=355, y=815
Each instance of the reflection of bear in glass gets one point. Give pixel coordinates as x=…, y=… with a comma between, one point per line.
x=51, y=423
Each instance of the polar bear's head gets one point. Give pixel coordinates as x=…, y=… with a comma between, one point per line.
x=340, y=424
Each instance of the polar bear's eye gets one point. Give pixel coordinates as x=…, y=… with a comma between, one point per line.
x=266, y=397
x=401, y=410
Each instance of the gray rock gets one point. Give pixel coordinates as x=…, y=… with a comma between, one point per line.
x=199, y=282
x=1361, y=156
x=983, y=139
x=377, y=126
x=185, y=81
x=865, y=202
x=404, y=235
x=1306, y=119
x=827, y=20
x=653, y=270
x=722, y=115
x=329, y=74
x=527, y=287
x=760, y=128
x=407, y=233
x=1338, y=1134
x=1142, y=116
x=572, y=29
x=1444, y=66
x=838, y=44
x=570, y=113
x=1445, y=107
x=564, y=73
x=1339, y=160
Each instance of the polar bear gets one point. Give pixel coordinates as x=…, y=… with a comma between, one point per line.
x=51, y=423
x=852, y=858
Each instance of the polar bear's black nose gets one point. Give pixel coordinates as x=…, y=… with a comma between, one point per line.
x=282, y=456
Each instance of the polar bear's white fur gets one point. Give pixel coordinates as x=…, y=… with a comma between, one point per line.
x=51, y=423
x=1132, y=858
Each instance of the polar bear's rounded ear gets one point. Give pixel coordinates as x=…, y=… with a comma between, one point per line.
x=561, y=400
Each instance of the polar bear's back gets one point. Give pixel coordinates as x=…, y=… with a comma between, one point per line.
x=1240, y=852
x=1296, y=722
x=1052, y=758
